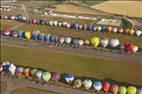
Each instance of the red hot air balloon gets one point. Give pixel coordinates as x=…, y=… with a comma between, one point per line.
x=128, y=47
x=106, y=86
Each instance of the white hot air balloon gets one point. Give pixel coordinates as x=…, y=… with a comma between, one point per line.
x=104, y=42
x=81, y=42
x=115, y=29
x=138, y=33
x=51, y=23
x=114, y=42
x=12, y=69
x=87, y=84
x=39, y=74
x=55, y=23
x=97, y=85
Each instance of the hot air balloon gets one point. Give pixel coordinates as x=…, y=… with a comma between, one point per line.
x=68, y=25
x=122, y=90
x=64, y=23
x=106, y=86
x=95, y=41
x=77, y=83
x=34, y=35
x=75, y=41
x=61, y=40
x=104, y=42
x=80, y=26
x=90, y=27
x=14, y=34
x=99, y=28
x=138, y=33
x=59, y=24
x=34, y=21
x=27, y=72
x=32, y=72
x=52, y=38
x=40, y=36
x=12, y=69
x=38, y=74
x=131, y=90
x=114, y=43
x=76, y=26
x=27, y=34
x=68, y=40
x=94, y=28
x=120, y=30
x=135, y=49
x=86, y=42
x=114, y=89
x=115, y=29
x=5, y=66
x=85, y=26
x=24, y=18
x=81, y=42
x=126, y=30
x=97, y=85
x=47, y=37
x=56, y=76
x=69, y=78
x=139, y=90
x=20, y=34
x=51, y=23
x=104, y=28
x=55, y=23
x=12, y=17
x=19, y=71
x=46, y=76
x=128, y=47
x=6, y=31
x=87, y=84
x=132, y=31
x=109, y=29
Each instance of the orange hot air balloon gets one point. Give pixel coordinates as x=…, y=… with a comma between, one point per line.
x=27, y=72
x=114, y=89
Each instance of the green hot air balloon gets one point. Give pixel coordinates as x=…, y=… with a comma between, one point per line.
x=122, y=90
x=46, y=76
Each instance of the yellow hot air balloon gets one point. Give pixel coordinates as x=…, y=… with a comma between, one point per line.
x=132, y=32
x=95, y=41
x=131, y=90
x=28, y=34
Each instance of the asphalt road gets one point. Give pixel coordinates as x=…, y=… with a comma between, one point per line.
x=87, y=51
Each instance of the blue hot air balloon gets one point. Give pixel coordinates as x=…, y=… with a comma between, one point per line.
x=104, y=28
x=75, y=41
x=34, y=35
x=5, y=66
x=94, y=28
x=97, y=85
x=20, y=34
x=40, y=36
x=52, y=38
x=69, y=78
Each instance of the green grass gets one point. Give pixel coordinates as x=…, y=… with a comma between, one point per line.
x=93, y=2
x=96, y=67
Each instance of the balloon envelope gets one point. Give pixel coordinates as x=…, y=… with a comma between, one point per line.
x=46, y=76
x=69, y=78
x=114, y=43
x=114, y=89
x=138, y=33
x=139, y=90
x=77, y=83
x=20, y=34
x=14, y=34
x=95, y=41
x=38, y=74
x=27, y=34
x=122, y=90
x=61, y=40
x=12, y=69
x=68, y=40
x=104, y=42
x=6, y=31
x=27, y=72
x=55, y=76
x=81, y=42
x=97, y=85
x=5, y=66
x=32, y=72
x=106, y=86
x=87, y=84
x=131, y=90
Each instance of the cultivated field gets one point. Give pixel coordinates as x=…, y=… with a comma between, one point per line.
x=128, y=8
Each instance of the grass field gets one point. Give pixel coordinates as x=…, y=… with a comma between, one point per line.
x=128, y=8
x=95, y=67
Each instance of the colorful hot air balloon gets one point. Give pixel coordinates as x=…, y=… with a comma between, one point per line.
x=27, y=34
x=61, y=40
x=80, y=42
x=69, y=78
x=138, y=32
x=32, y=72
x=46, y=76
x=68, y=40
x=19, y=71
x=5, y=66
x=95, y=41
x=135, y=49
x=99, y=28
x=56, y=76
x=6, y=31
x=131, y=90
x=97, y=85
x=14, y=34
x=12, y=69
x=34, y=21
x=122, y=90
x=139, y=90
x=115, y=29
x=114, y=43
x=126, y=30
x=77, y=83
x=106, y=86
x=20, y=34
x=132, y=31
x=75, y=41
x=27, y=72
x=109, y=29
x=104, y=28
x=114, y=89
x=87, y=84
x=86, y=42
x=120, y=30
x=104, y=42
x=38, y=74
